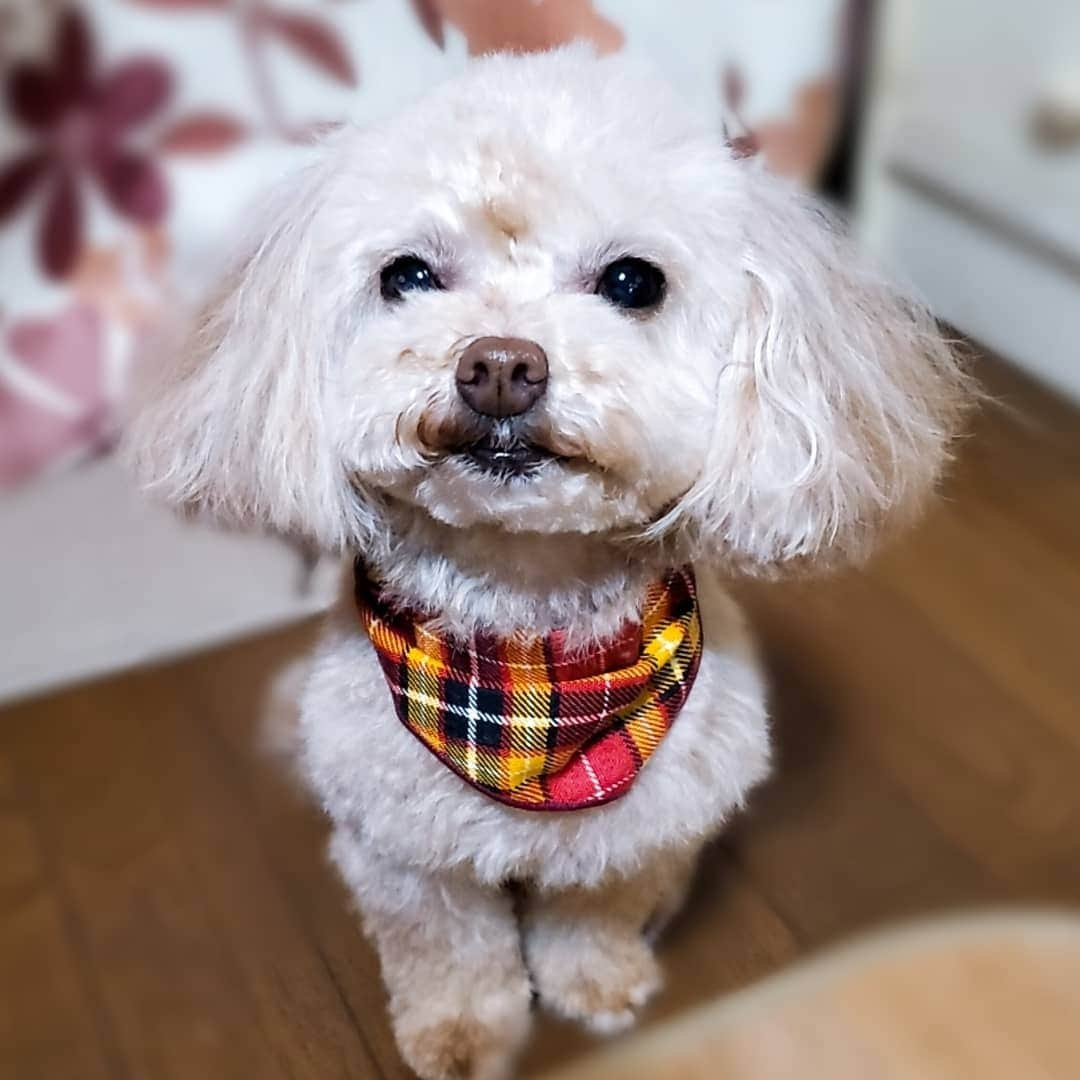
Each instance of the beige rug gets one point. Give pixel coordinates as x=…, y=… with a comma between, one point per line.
x=990, y=997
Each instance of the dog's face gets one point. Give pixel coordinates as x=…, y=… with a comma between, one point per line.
x=544, y=301
x=533, y=344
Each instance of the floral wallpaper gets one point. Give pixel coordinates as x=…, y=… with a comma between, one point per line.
x=135, y=131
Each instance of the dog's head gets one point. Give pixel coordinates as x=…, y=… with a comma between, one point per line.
x=545, y=301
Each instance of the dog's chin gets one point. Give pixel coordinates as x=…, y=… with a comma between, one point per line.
x=521, y=488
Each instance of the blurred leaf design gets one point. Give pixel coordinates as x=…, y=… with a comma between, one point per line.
x=259, y=22
x=314, y=40
x=134, y=186
x=18, y=179
x=431, y=20
x=734, y=86
x=60, y=234
x=314, y=130
x=203, y=133
x=133, y=92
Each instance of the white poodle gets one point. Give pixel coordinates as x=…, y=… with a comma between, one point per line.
x=528, y=352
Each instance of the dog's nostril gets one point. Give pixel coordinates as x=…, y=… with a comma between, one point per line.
x=524, y=373
x=502, y=376
x=480, y=374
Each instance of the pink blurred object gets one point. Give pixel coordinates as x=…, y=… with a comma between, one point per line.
x=66, y=413
x=522, y=25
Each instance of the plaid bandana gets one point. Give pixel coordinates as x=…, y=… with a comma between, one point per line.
x=529, y=721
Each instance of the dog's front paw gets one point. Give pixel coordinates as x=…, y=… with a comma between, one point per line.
x=458, y=1049
x=600, y=979
x=478, y=1043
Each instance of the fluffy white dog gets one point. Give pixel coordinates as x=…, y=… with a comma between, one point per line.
x=528, y=349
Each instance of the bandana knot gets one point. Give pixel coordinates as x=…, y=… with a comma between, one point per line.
x=532, y=722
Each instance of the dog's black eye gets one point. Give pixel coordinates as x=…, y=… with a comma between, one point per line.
x=631, y=283
x=407, y=274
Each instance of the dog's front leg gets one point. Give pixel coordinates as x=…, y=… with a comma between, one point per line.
x=589, y=950
x=451, y=959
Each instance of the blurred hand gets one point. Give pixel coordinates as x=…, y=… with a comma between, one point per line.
x=528, y=26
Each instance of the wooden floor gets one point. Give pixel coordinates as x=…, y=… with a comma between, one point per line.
x=165, y=910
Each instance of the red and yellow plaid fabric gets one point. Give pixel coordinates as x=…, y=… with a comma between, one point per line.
x=529, y=721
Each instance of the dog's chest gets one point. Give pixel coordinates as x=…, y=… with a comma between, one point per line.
x=374, y=776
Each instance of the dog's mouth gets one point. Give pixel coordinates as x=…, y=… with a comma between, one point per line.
x=496, y=457
x=506, y=449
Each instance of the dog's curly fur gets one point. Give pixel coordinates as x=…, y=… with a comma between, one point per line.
x=779, y=408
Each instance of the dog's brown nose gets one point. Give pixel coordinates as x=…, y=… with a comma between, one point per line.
x=502, y=376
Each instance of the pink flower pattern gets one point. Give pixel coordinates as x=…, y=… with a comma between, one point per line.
x=111, y=129
x=64, y=356
x=81, y=124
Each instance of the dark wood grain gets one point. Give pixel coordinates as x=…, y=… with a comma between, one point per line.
x=166, y=910
x=49, y=1005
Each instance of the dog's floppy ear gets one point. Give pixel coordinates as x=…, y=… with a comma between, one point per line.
x=836, y=399
x=230, y=413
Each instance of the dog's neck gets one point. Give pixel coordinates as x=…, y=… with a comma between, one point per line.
x=488, y=579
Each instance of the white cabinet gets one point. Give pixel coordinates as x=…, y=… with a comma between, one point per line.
x=970, y=173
